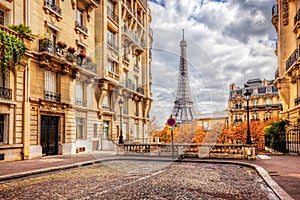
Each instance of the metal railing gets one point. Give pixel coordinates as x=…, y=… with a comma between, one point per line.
x=48, y=46
x=80, y=102
x=81, y=27
x=275, y=9
x=5, y=93
x=292, y=59
x=49, y=4
x=52, y=96
x=297, y=17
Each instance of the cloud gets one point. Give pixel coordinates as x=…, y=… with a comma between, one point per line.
x=228, y=42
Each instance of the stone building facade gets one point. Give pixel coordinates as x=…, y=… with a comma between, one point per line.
x=87, y=56
x=286, y=20
x=264, y=102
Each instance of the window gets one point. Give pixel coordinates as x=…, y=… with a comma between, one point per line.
x=238, y=105
x=110, y=8
x=136, y=108
x=255, y=91
x=80, y=128
x=110, y=38
x=52, y=35
x=79, y=17
x=5, y=91
x=269, y=89
x=112, y=66
x=106, y=102
x=135, y=132
x=3, y=128
x=50, y=86
x=105, y=129
x=254, y=103
x=268, y=102
x=125, y=106
x=268, y=115
x=79, y=91
x=1, y=17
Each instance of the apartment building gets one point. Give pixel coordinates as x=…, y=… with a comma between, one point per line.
x=286, y=20
x=87, y=73
x=264, y=102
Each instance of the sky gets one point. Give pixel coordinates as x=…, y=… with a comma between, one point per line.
x=229, y=41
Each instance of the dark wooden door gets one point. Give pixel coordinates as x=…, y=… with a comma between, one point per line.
x=49, y=135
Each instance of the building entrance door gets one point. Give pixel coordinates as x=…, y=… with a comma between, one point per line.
x=49, y=135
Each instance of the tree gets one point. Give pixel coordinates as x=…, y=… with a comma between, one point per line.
x=153, y=128
x=275, y=135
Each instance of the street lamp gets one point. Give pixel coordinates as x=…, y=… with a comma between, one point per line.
x=247, y=95
x=121, y=136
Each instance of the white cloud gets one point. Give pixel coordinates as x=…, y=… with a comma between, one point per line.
x=228, y=42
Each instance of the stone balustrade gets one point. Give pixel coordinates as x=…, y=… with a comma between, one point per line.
x=232, y=151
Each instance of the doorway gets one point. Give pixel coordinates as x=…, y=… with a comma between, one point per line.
x=49, y=135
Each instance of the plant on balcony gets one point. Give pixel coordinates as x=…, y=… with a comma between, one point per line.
x=71, y=50
x=62, y=45
x=11, y=51
x=82, y=55
x=24, y=31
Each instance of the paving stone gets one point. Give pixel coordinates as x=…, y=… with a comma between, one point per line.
x=142, y=180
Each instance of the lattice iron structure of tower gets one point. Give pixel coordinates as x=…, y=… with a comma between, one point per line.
x=183, y=104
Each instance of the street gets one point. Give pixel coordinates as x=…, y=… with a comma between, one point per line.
x=142, y=180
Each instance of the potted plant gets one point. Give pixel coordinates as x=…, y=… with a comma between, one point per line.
x=82, y=55
x=61, y=45
x=71, y=50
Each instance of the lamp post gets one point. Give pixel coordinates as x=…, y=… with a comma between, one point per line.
x=121, y=136
x=247, y=95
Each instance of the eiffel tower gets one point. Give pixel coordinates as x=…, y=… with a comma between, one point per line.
x=183, y=104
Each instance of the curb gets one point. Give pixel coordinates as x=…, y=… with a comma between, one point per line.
x=281, y=194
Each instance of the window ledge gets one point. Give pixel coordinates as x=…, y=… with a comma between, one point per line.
x=52, y=13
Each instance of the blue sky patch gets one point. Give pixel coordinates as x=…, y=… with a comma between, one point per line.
x=159, y=2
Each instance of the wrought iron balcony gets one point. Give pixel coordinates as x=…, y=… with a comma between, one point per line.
x=140, y=90
x=5, y=93
x=50, y=5
x=80, y=102
x=113, y=45
x=297, y=101
x=82, y=28
x=133, y=37
x=46, y=45
x=292, y=59
x=52, y=96
x=275, y=9
x=297, y=17
x=86, y=63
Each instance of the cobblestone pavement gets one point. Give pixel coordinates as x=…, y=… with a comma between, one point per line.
x=142, y=180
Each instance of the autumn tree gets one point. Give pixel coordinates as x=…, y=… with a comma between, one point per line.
x=153, y=128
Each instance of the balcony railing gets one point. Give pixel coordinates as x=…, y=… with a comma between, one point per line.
x=49, y=4
x=275, y=9
x=81, y=27
x=276, y=74
x=5, y=93
x=140, y=90
x=86, y=63
x=80, y=102
x=48, y=46
x=52, y=96
x=113, y=45
x=128, y=84
x=297, y=17
x=292, y=59
x=297, y=101
x=133, y=37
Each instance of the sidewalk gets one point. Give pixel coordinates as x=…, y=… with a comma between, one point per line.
x=284, y=170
